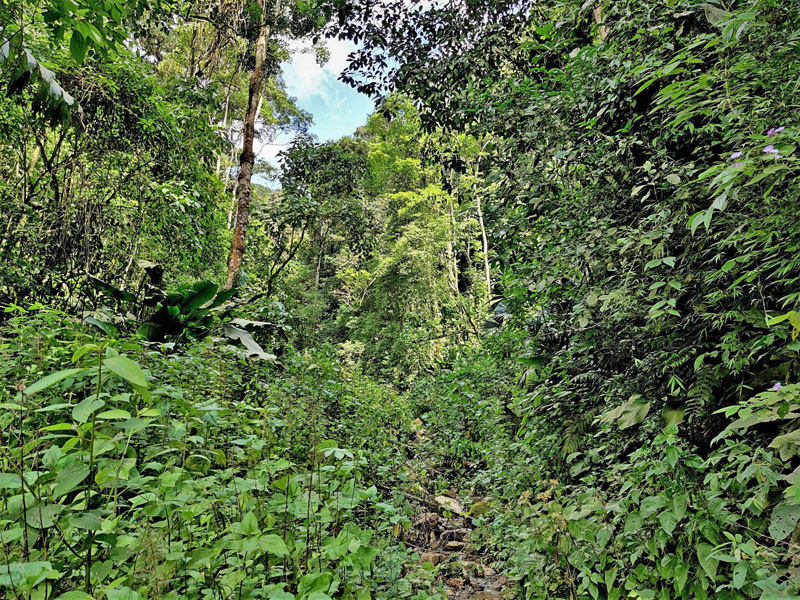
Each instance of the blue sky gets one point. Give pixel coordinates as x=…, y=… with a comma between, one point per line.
x=337, y=108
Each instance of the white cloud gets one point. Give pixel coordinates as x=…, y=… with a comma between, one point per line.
x=306, y=79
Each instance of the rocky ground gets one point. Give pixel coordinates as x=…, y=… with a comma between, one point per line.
x=441, y=537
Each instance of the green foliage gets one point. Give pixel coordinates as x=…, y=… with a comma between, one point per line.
x=640, y=211
x=555, y=272
x=134, y=475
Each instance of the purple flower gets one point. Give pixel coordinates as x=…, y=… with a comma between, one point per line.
x=772, y=132
x=736, y=154
x=779, y=129
x=770, y=149
x=776, y=387
x=737, y=165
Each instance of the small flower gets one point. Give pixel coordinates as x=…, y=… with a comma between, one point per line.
x=776, y=387
x=770, y=149
x=779, y=129
x=772, y=132
x=738, y=164
x=736, y=155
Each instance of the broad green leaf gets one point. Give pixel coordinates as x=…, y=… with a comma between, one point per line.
x=68, y=480
x=652, y=504
x=133, y=424
x=250, y=524
x=603, y=536
x=116, y=413
x=42, y=516
x=78, y=46
x=778, y=319
x=652, y=264
x=695, y=220
x=787, y=444
x=315, y=582
x=75, y=595
x=59, y=427
x=127, y=369
x=633, y=522
x=123, y=593
x=88, y=521
x=673, y=455
x=681, y=575
x=739, y=575
x=52, y=379
x=784, y=520
x=253, y=349
x=679, y=505
x=202, y=292
x=705, y=554
x=10, y=481
x=668, y=521
x=672, y=416
x=108, y=328
x=628, y=414
x=610, y=577
x=273, y=544
x=84, y=409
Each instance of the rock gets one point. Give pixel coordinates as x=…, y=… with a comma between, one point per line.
x=428, y=519
x=455, y=534
x=454, y=582
x=431, y=557
x=449, y=504
x=454, y=545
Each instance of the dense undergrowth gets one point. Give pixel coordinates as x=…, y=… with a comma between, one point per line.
x=137, y=472
x=661, y=521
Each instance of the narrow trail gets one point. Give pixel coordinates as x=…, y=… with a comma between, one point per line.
x=444, y=540
x=441, y=532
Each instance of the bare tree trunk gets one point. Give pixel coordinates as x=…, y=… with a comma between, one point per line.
x=452, y=262
x=323, y=236
x=484, y=238
x=485, y=241
x=248, y=157
x=218, y=170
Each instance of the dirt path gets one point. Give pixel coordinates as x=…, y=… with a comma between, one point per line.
x=441, y=538
x=440, y=533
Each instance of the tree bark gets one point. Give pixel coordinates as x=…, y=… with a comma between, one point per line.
x=484, y=239
x=248, y=157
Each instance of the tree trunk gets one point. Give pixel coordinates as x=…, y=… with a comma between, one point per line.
x=323, y=236
x=248, y=157
x=218, y=170
x=484, y=238
x=452, y=260
x=485, y=245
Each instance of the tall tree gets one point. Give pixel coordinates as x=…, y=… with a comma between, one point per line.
x=248, y=157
